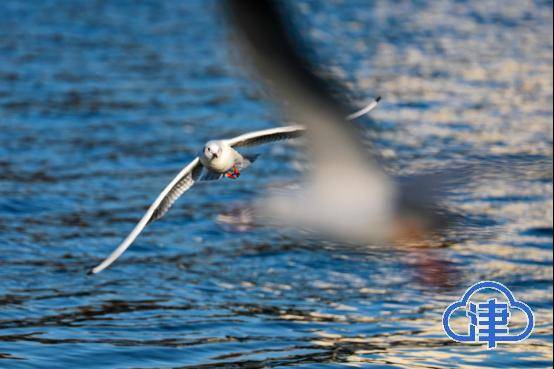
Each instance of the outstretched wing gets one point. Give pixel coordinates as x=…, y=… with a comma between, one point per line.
x=266, y=135
x=284, y=133
x=182, y=182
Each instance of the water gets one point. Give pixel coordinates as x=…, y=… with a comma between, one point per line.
x=101, y=103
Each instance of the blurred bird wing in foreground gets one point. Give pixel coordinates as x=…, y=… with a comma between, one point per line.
x=347, y=194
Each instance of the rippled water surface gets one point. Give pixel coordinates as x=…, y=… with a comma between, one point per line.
x=102, y=102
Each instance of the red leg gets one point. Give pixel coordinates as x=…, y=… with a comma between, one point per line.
x=233, y=173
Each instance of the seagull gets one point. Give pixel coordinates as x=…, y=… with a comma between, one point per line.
x=218, y=159
x=348, y=195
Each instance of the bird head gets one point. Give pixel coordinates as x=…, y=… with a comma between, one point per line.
x=212, y=150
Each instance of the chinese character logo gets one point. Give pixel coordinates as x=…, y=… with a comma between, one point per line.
x=488, y=321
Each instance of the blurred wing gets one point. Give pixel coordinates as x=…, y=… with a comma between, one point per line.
x=347, y=193
x=182, y=182
x=266, y=135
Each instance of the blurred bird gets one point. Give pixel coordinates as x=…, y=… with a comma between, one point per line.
x=217, y=159
x=346, y=195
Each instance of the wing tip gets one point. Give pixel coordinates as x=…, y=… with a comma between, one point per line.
x=94, y=270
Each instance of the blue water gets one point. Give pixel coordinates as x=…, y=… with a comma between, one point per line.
x=102, y=102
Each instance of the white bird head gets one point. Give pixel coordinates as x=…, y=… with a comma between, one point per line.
x=212, y=150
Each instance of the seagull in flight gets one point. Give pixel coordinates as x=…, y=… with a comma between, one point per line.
x=218, y=158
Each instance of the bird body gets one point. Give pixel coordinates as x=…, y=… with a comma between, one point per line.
x=218, y=156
